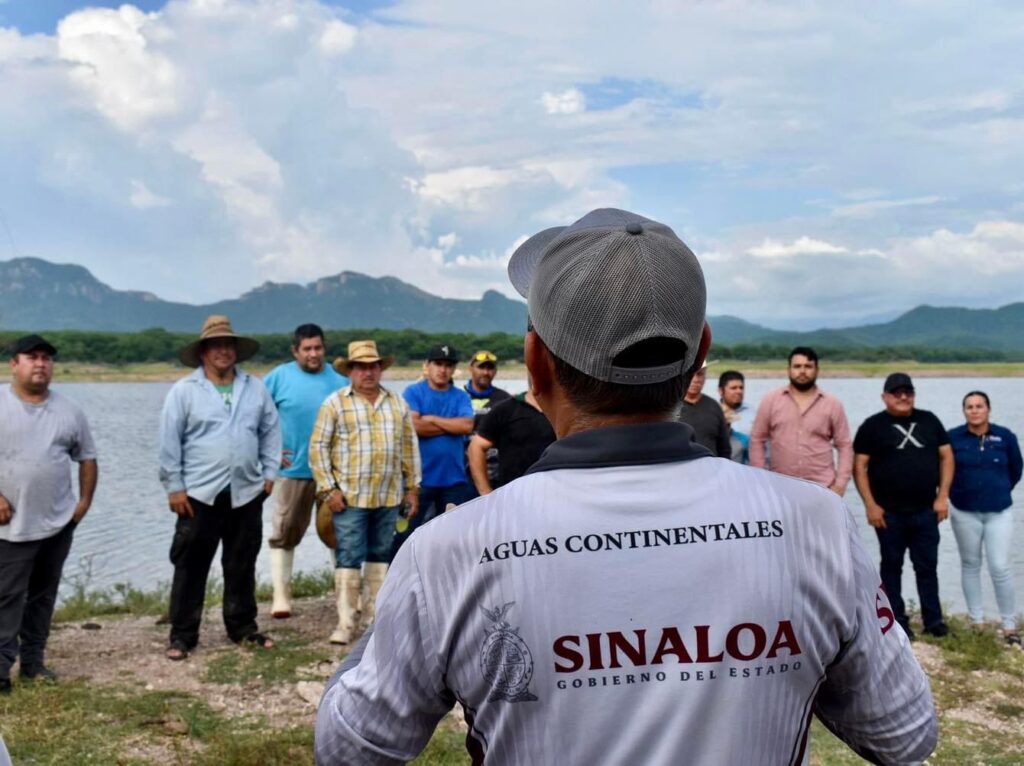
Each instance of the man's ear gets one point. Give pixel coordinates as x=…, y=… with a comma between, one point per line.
x=702, y=350
x=539, y=365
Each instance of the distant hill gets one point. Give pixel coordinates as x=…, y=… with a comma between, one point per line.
x=39, y=295
x=1000, y=329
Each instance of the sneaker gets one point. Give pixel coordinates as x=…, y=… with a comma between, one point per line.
x=1011, y=637
x=939, y=630
x=910, y=633
x=5, y=686
x=40, y=673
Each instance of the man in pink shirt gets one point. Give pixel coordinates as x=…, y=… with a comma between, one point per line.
x=803, y=424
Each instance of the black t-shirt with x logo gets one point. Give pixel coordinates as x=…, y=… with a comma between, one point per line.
x=903, y=469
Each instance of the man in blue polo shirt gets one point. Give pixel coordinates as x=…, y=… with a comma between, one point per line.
x=443, y=417
x=298, y=388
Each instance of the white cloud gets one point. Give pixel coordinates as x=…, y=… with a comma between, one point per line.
x=569, y=101
x=801, y=246
x=337, y=38
x=869, y=208
x=112, y=58
x=447, y=241
x=144, y=199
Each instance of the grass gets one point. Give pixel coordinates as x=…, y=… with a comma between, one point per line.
x=288, y=663
x=124, y=599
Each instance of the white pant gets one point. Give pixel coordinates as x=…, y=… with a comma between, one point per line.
x=993, y=531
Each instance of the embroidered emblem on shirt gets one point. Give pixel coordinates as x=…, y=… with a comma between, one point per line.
x=505, y=659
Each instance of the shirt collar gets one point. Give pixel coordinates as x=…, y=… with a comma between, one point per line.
x=635, y=444
x=199, y=374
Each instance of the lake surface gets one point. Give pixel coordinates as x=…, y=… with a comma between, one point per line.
x=127, y=534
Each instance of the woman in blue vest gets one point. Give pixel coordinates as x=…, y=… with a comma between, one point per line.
x=988, y=466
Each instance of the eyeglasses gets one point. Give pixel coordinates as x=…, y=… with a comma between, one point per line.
x=484, y=357
x=902, y=393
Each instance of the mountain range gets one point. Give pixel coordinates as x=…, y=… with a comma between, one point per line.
x=38, y=295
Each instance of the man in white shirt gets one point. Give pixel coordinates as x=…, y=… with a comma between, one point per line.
x=630, y=599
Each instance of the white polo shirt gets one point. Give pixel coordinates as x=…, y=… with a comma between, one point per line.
x=633, y=600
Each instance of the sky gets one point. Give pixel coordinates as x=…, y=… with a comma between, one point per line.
x=829, y=163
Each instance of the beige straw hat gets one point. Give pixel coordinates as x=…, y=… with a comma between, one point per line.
x=325, y=525
x=364, y=351
x=217, y=326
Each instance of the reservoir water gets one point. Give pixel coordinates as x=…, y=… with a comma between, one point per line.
x=126, y=536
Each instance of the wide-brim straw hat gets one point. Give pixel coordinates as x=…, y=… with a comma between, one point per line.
x=217, y=326
x=325, y=525
x=364, y=352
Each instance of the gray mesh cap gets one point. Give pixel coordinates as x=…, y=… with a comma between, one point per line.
x=610, y=280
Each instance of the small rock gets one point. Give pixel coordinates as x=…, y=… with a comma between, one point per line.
x=91, y=626
x=310, y=691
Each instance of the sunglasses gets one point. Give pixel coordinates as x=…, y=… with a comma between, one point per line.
x=902, y=393
x=484, y=357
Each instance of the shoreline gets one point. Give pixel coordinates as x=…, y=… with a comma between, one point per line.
x=163, y=372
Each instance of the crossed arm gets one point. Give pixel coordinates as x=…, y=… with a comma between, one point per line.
x=435, y=425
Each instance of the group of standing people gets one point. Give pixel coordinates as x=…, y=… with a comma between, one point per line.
x=911, y=473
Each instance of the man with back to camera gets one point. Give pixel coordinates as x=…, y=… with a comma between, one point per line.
x=298, y=388
x=442, y=416
x=731, y=387
x=220, y=449
x=705, y=417
x=519, y=430
x=803, y=424
x=41, y=434
x=629, y=600
x=903, y=468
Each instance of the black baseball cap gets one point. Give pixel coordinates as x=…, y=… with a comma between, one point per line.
x=30, y=343
x=443, y=353
x=898, y=381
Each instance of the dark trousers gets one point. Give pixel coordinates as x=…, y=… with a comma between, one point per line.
x=918, y=532
x=29, y=576
x=433, y=501
x=192, y=551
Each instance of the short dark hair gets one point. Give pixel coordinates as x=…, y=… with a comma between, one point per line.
x=729, y=376
x=597, y=397
x=305, y=332
x=807, y=351
x=982, y=394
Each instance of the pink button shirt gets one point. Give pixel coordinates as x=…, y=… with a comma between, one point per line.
x=802, y=442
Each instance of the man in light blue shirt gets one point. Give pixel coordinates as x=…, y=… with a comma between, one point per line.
x=220, y=449
x=298, y=388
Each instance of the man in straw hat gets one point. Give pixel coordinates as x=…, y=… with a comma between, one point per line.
x=298, y=388
x=631, y=599
x=366, y=464
x=220, y=449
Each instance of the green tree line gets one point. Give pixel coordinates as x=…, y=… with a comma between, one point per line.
x=410, y=346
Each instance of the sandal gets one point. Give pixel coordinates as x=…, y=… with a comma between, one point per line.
x=258, y=640
x=176, y=651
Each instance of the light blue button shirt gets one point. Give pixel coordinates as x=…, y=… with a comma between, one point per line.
x=206, y=446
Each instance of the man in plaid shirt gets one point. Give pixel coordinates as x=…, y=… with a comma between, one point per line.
x=365, y=459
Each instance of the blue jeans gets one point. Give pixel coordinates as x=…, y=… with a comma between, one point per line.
x=993, y=532
x=917, y=532
x=433, y=501
x=363, y=534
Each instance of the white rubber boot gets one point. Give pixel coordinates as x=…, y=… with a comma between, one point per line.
x=347, y=583
x=373, y=578
x=281, y=576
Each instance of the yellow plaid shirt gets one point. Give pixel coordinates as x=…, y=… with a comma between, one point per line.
x=368, y=451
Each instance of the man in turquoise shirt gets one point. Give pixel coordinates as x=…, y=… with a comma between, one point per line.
x=298, y=388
